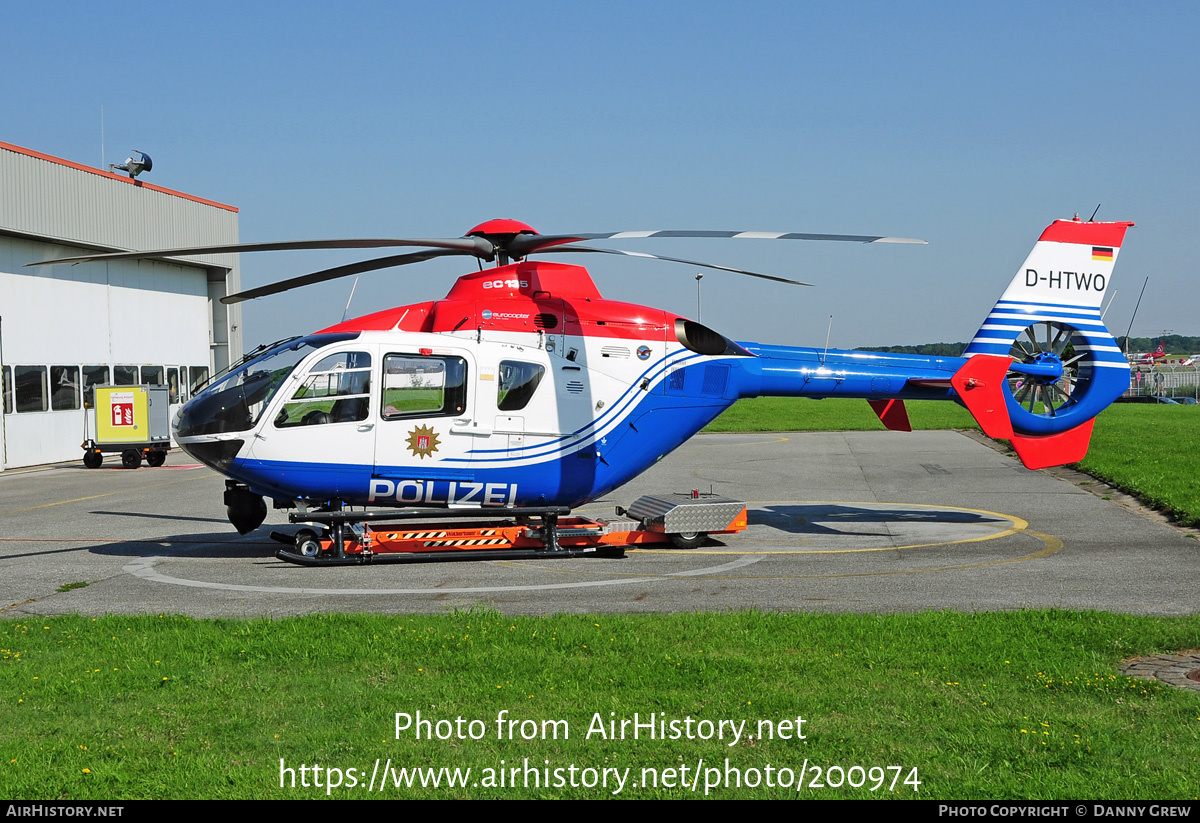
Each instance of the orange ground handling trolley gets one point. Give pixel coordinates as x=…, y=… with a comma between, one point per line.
x=338, y=538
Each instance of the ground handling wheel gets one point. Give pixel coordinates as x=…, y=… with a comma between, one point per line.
x=154, y=459
x=131, y=458
x=307, y=544
x=688, y=540
x=92, y=459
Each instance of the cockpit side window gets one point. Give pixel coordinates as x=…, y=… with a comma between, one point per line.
x=234, y=400
x=518, y=381
x=337, y=389
x=421, y=386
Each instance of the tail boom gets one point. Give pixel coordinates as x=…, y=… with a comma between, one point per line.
x=1038, y=371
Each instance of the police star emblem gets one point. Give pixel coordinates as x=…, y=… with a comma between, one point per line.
x=422, y=441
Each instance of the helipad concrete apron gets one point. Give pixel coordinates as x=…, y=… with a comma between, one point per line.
x=861, y=521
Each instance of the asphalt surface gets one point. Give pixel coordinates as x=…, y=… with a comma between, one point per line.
x=858, y=521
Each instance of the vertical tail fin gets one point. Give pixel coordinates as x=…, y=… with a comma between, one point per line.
x=1049, y=364
x=1063, y=279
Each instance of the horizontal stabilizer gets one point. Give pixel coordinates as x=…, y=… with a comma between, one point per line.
x=892, y=414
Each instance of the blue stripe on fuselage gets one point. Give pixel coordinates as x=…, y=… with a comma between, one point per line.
x=656, y=426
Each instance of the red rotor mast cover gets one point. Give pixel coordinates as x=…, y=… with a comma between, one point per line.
x=500, y=226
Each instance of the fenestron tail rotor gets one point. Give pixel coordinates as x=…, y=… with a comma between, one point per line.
x=1047, y=373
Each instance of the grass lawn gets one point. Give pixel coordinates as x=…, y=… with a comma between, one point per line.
x=933, y=705
x=802, y=414
x=1151, y=451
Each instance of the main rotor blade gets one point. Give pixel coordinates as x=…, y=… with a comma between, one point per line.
x=341, y=271
x=528, y=243
x=587, y=250
x=476, y=246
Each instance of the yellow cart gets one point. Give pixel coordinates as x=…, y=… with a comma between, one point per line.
x=133, y=421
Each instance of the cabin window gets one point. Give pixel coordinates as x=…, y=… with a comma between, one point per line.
x=336, y=390
x=518, y=381
x=423, y=386
x=64, y=388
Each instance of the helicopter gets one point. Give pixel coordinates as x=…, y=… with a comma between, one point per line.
x=524, y=389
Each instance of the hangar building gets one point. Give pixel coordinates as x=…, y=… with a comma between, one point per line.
x=66, y=328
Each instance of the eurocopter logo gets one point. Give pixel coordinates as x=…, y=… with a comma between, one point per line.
x=422, y=441
x=488, y=314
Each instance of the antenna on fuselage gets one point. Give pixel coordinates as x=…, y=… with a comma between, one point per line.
x=351, y=297
x=828, y=332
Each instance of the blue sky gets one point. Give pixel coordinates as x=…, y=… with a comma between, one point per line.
x=968, y=125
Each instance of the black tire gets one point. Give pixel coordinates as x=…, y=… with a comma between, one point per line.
x=307, y=544
x=131, y=458
x=156, y=459
x=689, y=540
x=92, y=459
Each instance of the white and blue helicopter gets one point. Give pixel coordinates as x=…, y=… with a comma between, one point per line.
x=524, y=390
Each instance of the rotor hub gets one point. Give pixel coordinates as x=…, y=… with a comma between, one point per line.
x=500, y=233
x=1047, y=366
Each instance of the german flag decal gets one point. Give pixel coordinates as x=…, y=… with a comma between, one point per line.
x=1102, y=253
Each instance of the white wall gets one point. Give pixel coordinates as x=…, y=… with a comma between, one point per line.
x=120, y=313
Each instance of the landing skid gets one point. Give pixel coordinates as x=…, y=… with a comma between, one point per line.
x=537, y=533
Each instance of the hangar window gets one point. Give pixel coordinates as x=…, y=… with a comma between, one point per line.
x=423, y=386
x=125, y=375
x=518, y=381
x=31, y=386
x=64, y=388
x=173, y=384
x=336, y=390
x=93, y=376
x=198, y=376
x=6, y=378
x=152, y=375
